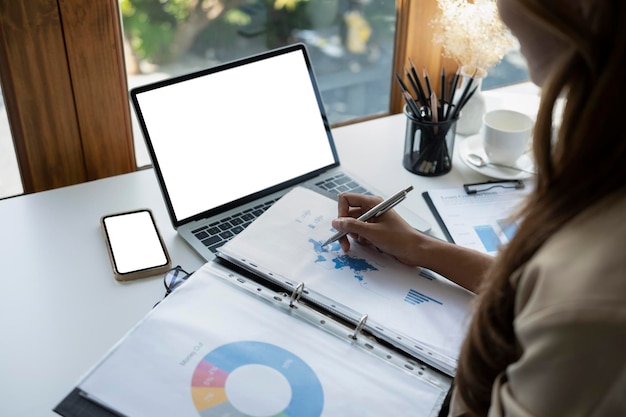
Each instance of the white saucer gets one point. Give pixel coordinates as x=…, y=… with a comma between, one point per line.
x=473, y=144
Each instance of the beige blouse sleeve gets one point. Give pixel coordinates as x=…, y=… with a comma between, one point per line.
x=573, y=365
x=570, y=322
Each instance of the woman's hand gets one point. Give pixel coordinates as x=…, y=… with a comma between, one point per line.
x=389, y=232
x=393, y=235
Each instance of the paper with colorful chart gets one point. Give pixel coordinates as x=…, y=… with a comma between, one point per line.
x=480, y=221
x=214, y=350
x=285, y=243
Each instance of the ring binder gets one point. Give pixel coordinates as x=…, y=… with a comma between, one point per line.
x=326, y=290
x=429, y=382
x=359, y=327
x=436, y=372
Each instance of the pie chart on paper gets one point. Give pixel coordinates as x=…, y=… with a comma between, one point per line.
x=255, y=379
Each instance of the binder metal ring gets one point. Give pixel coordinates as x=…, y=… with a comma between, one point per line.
x=359, y=327
x=296, y=294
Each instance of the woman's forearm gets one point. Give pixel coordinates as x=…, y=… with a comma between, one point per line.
x=465, y=267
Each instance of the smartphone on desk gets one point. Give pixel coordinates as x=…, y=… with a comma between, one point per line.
x=135, y=246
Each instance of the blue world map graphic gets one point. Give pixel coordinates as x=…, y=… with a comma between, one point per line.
x=356, y=265
x=359, y=266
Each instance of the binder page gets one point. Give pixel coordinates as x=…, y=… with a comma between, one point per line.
x=480, y=221
x=285, y=242
x=212, y=349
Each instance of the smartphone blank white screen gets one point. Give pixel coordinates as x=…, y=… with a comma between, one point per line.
x=134, y=242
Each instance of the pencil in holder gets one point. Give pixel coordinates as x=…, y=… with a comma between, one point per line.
x=428, y=145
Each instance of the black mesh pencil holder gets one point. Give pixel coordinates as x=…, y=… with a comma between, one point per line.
x=428, y=145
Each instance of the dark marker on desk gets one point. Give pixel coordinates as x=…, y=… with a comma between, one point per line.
x=375, y=211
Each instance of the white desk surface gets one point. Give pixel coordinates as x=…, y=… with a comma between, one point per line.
x=61, y=308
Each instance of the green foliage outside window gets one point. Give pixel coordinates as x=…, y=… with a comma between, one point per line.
x=161, y=31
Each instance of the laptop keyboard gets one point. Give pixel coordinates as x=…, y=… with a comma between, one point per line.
x=219, y=232
x=341, y=183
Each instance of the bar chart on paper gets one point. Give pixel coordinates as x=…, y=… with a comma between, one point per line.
x=494, y=236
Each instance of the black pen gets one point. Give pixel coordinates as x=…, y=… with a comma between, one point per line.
x=415, y=87
x=401, y=83
x=466, y=90
x=410, y=102
x=427, y=81
x=468, y=97
x=455, y=81
x=422, y=94
x=375, y=211
x=443, y=85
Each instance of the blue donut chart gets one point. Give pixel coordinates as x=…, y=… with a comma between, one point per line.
x=307, y=395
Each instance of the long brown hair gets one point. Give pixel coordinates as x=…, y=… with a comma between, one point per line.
x=586, y=163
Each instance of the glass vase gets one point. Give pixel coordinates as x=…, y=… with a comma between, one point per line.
x=471, y=118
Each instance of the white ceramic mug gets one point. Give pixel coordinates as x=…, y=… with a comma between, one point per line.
x=506, y=135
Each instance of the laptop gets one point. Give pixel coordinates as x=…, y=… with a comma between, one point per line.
x=228, y=141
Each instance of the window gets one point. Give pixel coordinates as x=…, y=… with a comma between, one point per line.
x=512, y=69
x=73, y=62
x=351, y=43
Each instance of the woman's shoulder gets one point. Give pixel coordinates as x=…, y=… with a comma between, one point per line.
x=581, y=268
x=570, y=319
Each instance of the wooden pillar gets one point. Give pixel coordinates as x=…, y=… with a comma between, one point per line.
x=64, y=84
x=415, y=40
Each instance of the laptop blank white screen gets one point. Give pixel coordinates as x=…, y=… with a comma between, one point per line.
x=232, y=133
